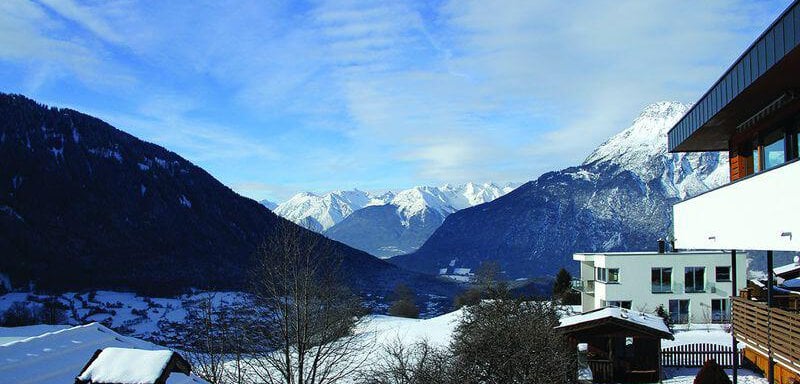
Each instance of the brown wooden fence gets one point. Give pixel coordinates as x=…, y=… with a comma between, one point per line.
x=694, y=355
x=763, y=328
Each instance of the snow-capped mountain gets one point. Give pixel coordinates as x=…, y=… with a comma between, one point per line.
x=619, y=199
x=320, y=212
x=410, y=217
x=386, y=224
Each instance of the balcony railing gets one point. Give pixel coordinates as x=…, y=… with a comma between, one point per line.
x=768, y=330
x=585, y=286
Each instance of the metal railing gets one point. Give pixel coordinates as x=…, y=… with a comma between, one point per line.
x=585, y=286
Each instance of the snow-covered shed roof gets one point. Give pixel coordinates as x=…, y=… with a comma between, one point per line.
x=58, y=356
x=787, y=269
x=638, y=322
x=114, y=365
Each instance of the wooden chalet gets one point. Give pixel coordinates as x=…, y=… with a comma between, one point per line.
x=132, y=366
x=623, y=345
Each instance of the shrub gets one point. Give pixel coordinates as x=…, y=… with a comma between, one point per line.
x=711, y=373
x=404, y=303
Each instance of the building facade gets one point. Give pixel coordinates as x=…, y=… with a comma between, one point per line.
x=693, y=287
x=753, y=113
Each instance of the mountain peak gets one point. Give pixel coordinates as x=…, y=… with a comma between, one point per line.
x=644, y=139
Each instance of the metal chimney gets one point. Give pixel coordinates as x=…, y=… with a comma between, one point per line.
x=662, y=246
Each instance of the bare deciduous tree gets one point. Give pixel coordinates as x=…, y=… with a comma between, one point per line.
x=306, y=320
x=418, y=363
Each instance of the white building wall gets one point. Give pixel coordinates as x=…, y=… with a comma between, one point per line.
x=635, y=285
x=761, y=212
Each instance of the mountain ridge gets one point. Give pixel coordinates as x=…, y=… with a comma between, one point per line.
x=84, y=205
x=618, y=199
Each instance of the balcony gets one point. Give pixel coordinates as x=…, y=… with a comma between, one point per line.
x=768, y=330
x=759, y=212
x=584, y=286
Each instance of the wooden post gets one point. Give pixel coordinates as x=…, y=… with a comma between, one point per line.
x=770, y=272
x=734, y=342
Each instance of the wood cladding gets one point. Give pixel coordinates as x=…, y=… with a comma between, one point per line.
x=741, y=165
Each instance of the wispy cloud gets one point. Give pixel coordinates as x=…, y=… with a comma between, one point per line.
x=337, y=94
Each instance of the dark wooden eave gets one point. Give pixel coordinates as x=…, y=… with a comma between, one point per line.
x=613, y=327
x=769, y=68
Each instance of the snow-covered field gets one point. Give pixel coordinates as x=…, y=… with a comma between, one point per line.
x=125, y=312
x=56, y=354
x=145, y=318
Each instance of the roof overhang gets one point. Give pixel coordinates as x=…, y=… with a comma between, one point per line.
x=762, y=86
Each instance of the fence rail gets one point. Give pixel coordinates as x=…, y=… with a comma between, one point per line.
x=768, y=329
x=694, y=355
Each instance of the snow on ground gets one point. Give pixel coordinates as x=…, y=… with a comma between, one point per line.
x=125, y=312
x=686, y=376
x=8, y=335
x=704, y=333
x=388, y=329
x=59, y=355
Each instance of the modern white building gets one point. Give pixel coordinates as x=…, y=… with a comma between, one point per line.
x=694, y=287
x=752, y=112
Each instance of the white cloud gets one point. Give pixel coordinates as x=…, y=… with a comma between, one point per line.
x=464, y=90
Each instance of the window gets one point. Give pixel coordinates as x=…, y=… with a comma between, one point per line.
x=607, y=275
x=661, y=280
x=619, y=303
x=600, y=274
x=757, y=167
x=613, y=275
x=679, y=311
x=723, y=274
x=694, y=279
x=774, y=152
x=720, y=311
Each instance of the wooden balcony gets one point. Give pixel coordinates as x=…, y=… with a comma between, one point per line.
x=770, y=331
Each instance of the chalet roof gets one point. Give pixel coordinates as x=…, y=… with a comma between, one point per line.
x=58, y=355
x=787, y=269
x=132, y=366
x=617, y=319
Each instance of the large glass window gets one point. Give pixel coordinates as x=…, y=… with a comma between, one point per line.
x=723, y=273
x=694, y=279
x=720, y=312
x=774, y=153
x=661, y=280
x=679, y=311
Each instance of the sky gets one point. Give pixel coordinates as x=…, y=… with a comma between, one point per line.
x=275, y=97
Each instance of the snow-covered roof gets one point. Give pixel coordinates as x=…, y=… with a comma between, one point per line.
x=59, y=356
x=640, y=319
x=128, y=365
x=788, y=268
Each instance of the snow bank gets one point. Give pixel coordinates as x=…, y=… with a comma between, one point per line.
x=58, y=356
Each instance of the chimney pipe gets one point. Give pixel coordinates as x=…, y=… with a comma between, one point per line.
x=662, y=246
x=672, y=245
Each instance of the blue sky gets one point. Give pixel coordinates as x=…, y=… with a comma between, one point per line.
x=274, y=97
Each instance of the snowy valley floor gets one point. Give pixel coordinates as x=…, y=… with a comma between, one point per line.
x=142, y=317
